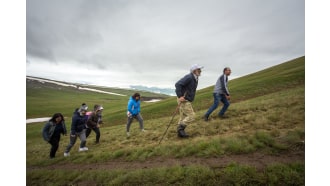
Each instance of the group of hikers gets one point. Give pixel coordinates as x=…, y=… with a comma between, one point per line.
x=84, y=122
x=81, y=126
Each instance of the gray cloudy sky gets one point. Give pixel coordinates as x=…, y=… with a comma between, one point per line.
x=118, y=43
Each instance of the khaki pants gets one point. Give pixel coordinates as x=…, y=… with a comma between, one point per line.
x=187, y=114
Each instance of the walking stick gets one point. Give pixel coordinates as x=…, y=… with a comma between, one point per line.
x=174, y=113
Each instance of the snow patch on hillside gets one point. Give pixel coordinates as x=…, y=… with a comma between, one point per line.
x=74, y=86
x=35, y=120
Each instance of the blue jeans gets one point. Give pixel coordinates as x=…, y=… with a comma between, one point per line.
x=217, y=99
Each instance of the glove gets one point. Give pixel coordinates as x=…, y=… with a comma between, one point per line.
x=129, y=114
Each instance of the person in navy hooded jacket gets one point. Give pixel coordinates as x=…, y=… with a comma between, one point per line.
x=78, y=129
x=133, y=111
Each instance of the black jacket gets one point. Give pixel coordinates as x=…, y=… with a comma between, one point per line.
x=78, y=123
x=186, y=86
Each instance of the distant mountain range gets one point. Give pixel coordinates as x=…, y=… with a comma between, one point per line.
x=166, y=91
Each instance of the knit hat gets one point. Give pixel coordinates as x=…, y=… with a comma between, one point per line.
x=83, y=108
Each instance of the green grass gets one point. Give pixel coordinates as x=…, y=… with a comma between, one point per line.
x=233, y=174
x=267, y=116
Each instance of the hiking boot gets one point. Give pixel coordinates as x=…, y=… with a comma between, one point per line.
x=181, y=132
x=206, y=118
x=83, y=149
x=66, y=154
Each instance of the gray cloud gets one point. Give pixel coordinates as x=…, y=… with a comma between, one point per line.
x=155, y=42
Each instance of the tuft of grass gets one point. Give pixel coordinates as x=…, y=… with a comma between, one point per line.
x=292, y=174
x=236, y=174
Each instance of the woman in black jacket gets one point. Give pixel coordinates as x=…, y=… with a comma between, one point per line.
x=52, y=132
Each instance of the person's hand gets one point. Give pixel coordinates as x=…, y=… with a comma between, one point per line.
x=228, y=97
x=182, y=99
x=98, y=126
x=73, y=135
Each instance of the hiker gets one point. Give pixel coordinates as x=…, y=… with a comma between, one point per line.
x=78, y=129
x=185, y=90
x=220, y=93
x=133, y=111
x=52, y=132
x=94, y=121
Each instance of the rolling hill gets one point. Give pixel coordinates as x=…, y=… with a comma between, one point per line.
x=261, y=143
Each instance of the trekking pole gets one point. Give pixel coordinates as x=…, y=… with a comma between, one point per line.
x=174, y=113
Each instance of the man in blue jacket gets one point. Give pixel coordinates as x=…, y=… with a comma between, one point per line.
x=185, y=90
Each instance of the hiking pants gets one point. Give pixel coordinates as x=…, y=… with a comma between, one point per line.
x=97, y=132
x=81, y=135
x=187, y=114
x=130, y=120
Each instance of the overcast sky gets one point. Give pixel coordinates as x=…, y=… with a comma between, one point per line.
x=118, y=43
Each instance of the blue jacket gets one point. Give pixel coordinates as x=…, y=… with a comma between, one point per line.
x=133, y=106
x=49, y=128
x=78, y=123
x=186, y=86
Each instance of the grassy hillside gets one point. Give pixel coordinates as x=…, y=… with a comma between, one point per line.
x=44, y=99
x=261, y=143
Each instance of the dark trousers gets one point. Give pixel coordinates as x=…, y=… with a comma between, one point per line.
x=54, y=141
x=217, y=99
x=97, y=132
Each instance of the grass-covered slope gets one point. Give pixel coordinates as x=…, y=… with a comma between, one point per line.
x=261, y=143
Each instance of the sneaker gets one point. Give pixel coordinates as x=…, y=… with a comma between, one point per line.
x=142, y=130
x=127, y=133
x=66, y=154
x=83, y=149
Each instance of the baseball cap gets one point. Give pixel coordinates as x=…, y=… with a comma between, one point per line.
x=195, y=66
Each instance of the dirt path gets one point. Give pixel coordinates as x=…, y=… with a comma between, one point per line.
x=258, y=160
